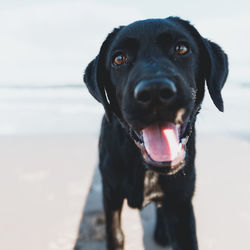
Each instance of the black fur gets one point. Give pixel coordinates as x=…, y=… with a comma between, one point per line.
x=149, y=47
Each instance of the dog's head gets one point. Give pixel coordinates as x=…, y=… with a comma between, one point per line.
x=151, y=75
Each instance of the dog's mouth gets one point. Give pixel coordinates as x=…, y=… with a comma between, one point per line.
x=162, y=147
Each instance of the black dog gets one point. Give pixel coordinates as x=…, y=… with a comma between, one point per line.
x=150, y=77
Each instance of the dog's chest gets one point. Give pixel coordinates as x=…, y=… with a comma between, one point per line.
x=152, y=190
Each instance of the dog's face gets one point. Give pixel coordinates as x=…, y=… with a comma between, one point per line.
x=151, y=74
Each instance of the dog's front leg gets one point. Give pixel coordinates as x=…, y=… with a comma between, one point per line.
x=112, y=208
x=181, y=225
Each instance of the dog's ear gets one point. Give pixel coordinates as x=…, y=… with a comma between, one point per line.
x=216, y=71
x=214, y=63
x=98, y=80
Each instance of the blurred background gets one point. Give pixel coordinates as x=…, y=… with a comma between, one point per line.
x=49, y=124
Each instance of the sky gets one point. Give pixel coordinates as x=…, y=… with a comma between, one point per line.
x=50, y=42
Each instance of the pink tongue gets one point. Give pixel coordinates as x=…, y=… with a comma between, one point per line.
x=161, y=142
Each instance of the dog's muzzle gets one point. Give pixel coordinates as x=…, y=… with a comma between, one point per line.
x=163, y=144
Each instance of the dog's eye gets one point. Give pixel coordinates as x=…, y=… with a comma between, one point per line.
x=181, y=49
x=120, y=59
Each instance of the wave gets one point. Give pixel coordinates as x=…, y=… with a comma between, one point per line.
x=56, y=86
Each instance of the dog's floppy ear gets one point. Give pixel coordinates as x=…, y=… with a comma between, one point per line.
x=97, y=78
x=214, y=63
x=216, y=71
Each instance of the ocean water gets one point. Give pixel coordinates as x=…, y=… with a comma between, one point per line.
x=235, y=120
x=51, y=42
x=48, y=110
x=72, y=110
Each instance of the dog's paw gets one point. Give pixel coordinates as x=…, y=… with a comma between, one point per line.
x=116, y=241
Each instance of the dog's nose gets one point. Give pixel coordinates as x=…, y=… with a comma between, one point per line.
x=154, y=90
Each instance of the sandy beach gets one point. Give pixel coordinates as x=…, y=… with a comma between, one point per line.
x=46, y=181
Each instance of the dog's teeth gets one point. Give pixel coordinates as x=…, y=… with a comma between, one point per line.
x=184, y=141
